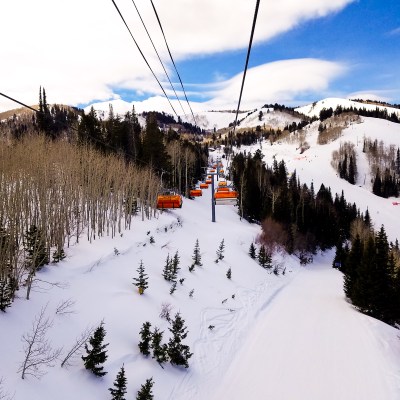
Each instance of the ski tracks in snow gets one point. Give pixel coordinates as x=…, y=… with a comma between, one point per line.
x=215, y=348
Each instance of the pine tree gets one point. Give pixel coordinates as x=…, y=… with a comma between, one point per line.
x=229, y=273
x=5, y=294
x=264, y=258
x=119, y=389
x=178, y=353
x=167, y=271
x=160, y=350
x=175, y=267
x=96, y=355
x=352, y=266
x=352, y=171
x=145, y=335
x=142, y=280
x=145, y=391
x=35, y=246
x=220, y=251
x=252, y=251
x=196, y=254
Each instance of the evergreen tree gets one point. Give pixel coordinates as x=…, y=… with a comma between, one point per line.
x=252, y=251
x=154, y=149
x=142, y=280
x=377, y=186
x=196, y=254
x=145, y=391
x=5, y=294
x=220, y=251
x=352, y=171
x=178, y=352
x=145, y=335
x=398, y=161
x=36, y=248
x=352, y=266
x=229, y=273
x=160, y=350
x=264, y=258
x=167, y=271
x=175, y=267
x=96, y=354
x=119, y=390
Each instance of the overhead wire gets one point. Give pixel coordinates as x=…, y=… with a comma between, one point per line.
x=154, y=47
x=247, y=62
x=19, y=102
x=172, y=59
x=144, y=58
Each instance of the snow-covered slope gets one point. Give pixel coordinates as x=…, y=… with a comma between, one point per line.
x=313, y=110
x=291, y=336
x=205, y=118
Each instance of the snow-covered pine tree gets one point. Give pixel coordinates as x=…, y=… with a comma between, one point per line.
x=178, y=353
x=220, y=251
x=175, y=266
x=196, y=254
x=252, y=251
x=229, y=273
x=145, y=335
x=96, y=355
x=167, y=271
x=142, y=280
x=5, y=294
x=119, y=390
x=160, y=350
x=145, y=391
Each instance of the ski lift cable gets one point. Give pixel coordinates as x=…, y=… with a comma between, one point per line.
x=172, y=59
x=144, y=58
x=19, y=102
x=247, y=62
x=154, y=47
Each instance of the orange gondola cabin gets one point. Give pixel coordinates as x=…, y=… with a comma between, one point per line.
x=169, y=200
x=225, y=197
x=195, y=193
x=203, y=186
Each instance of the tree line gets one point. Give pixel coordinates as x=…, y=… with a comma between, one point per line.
x=291, y=213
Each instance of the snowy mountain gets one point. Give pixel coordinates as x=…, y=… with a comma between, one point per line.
x=313, y=110
x=290, y=335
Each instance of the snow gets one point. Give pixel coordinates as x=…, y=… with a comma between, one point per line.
x=205, y=118
x=291, y=336
x=320, y=350
x=315, y=108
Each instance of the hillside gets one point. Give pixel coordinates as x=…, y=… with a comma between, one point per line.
x=313, y=110
x=287, y=335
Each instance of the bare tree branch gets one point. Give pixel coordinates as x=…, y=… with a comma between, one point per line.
x=65, y=307
x=37, y=348
x=77, y=347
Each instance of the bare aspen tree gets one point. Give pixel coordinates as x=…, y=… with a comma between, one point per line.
x=77, y=347
x=38, y=351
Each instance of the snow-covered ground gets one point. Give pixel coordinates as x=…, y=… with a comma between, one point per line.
x=283, y=337
x=313, y=110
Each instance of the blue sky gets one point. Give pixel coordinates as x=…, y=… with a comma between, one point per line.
x=302, y=51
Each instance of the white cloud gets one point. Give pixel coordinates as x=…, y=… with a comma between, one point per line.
x=282, y=81
x=80, y=50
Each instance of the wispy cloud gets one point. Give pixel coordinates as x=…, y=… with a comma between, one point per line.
x=394, y=32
